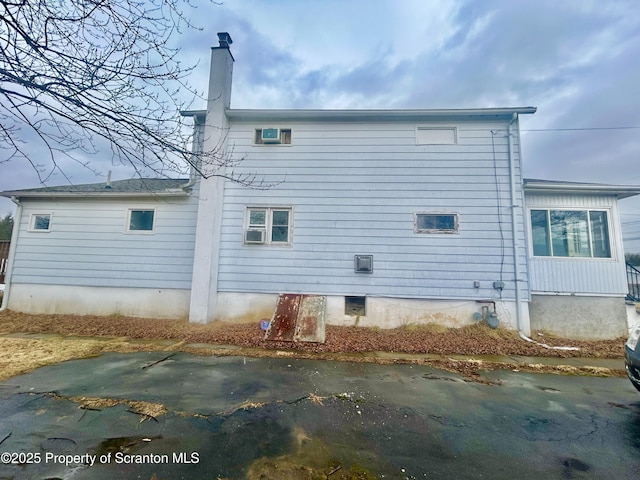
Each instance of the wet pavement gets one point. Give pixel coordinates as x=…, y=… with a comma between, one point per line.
x=237, y=417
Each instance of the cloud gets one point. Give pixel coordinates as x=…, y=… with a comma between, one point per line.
x=576, y=60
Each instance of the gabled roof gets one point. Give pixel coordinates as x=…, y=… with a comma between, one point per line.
x=562, y=187
x=406, y=114
x=137, y=187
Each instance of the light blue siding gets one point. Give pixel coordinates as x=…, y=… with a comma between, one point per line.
x=354, y=189
x=588, y=276
x=88, y=246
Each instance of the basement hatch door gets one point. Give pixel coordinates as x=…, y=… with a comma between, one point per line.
x=298, y=318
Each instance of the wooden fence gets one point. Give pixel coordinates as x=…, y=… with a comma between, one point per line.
x=4, y=256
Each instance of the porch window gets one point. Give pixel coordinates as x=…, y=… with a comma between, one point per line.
x=570, y=233
x=268, y=226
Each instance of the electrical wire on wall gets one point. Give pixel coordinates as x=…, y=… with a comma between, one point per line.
x=499, y=206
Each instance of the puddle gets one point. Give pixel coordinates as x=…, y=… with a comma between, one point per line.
x=122, y=444
x=311, y=458
x=59, y=445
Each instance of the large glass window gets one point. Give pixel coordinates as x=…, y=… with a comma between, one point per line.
x=570, y=233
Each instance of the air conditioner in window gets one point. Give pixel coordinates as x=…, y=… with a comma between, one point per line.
x=254, y=235
x=270, y=135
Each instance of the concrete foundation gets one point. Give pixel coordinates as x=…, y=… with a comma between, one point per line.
x=136, y=302
x=633, y=314
x=579, y=317
x=379, y=312
x=238, y=307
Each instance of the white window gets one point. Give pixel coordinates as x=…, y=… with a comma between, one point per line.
x=40, y=222
x=436, y=223
x=570, y=233
x=436, y=135
x=272, y=136
x=268, y=226
x=141, y=221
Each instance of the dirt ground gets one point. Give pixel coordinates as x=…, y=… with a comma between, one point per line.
x=124, y=334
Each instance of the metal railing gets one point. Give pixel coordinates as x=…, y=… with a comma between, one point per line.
x=633, y=280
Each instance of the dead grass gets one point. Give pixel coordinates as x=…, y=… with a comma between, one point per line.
x=146, y=409
x=470, y=340
x=23, y=355
x=125, y=334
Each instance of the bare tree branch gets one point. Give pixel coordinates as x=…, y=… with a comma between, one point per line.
x=82, y=73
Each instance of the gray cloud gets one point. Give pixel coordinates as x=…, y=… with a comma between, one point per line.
x=575, y=60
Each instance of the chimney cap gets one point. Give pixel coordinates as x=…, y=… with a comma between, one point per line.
x=225, y=39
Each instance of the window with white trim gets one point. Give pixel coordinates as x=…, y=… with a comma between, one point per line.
x=268, y=226
x=141, y=221
x=40, y=222
x=570, y=233
x=436, y=223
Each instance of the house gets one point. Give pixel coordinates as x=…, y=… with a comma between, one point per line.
x=393, y=216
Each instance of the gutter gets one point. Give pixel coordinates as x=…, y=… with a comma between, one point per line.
x=383, y=115
x=12, y=253
x=620, y=191
x=175, y=192
x=320, y=114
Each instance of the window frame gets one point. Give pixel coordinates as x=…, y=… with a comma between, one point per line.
x=267, y=226
x=452, y=128
x=549, y=240
x=257, y=137
x=32, y=222
x=128, y=229
x=437, y=231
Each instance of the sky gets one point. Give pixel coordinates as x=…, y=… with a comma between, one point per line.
x=576, y=61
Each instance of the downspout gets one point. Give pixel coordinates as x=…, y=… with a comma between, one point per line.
x=12, y=253
x=196, y=149
x=514, y=232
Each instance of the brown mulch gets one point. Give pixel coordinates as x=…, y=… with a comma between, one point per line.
x=470, y=340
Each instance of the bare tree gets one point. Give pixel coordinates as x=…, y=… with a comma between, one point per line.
x=82, y=74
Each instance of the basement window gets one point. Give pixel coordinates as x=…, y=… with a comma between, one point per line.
x=355, y=306
x=436, y=223
x=283, y=137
